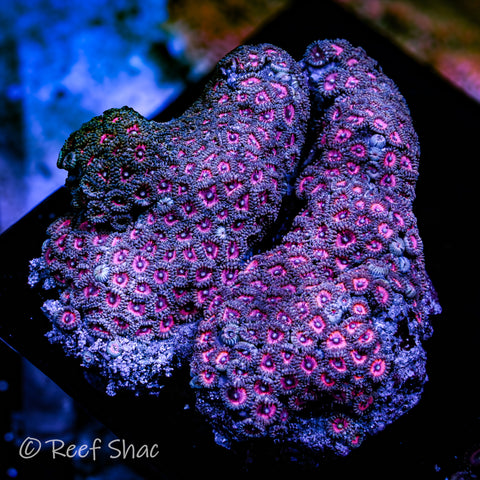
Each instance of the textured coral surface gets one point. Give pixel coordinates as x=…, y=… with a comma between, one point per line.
x=163, y=214
x=319, y=343
x=315, y=342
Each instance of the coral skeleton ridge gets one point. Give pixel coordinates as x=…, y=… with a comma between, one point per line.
x=315, y=342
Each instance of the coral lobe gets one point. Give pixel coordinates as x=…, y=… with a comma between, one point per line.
x=340, y=287
x=163, y=214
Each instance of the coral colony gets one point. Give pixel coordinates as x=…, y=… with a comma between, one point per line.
x=314, y=341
